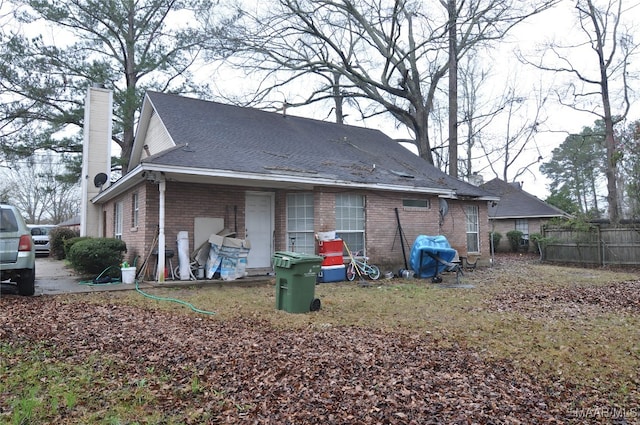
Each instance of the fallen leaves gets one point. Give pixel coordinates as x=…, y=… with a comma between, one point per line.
x=572, y=301
x=246, y=371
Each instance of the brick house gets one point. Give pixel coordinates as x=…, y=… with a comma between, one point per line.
x=517, y=210
x=273, y=179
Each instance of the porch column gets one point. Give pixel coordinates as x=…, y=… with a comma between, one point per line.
x=162, y=186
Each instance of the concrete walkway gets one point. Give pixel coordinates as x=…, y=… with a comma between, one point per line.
x=54, y=278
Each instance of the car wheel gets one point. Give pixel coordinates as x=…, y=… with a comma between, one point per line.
x=27, y=282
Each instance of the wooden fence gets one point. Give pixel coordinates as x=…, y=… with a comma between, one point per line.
x=599, y=246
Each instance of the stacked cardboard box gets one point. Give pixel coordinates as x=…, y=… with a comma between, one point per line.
x=228, y=256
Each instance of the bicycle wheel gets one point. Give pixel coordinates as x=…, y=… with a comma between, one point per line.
x=374, y=272
x=351, y=272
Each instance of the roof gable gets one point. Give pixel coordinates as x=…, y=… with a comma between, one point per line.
x=209, y=135
x=516, y=203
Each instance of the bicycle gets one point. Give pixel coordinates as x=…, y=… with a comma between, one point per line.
x=360, y=266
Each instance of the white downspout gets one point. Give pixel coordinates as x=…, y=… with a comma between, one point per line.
x=161, y=253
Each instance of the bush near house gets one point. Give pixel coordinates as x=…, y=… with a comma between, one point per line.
x=95, y=255
x=57, y=238
x=68, y=243
x=514, y=236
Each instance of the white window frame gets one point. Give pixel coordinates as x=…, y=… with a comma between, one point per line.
x=472, y=218
x=135, y=210
x=350, y=221
x=522, y=224
x=117, y=220
x=416, y=204
x=300, y=223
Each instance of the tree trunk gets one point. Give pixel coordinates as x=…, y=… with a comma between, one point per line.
x=453, y=90
x=420, y=128
x=337, y=98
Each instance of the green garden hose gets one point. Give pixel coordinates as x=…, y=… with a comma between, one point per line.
x=114, y=281
x=96, y=281
x=175, y=300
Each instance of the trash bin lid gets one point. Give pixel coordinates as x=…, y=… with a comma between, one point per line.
x=286, y=259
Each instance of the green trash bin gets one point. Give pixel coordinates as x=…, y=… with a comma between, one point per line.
x=296, y=275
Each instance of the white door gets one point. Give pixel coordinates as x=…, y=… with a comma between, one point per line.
x=259, y=228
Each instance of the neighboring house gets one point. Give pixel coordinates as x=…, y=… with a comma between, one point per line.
x=517, y=210
x=73, y=223
x=276, y=180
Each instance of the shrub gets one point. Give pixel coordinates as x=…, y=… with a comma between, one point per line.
x=70, y=242
x=541, y=243
x=494, y=240
x=95, y=255
x=514, y=236
x=57, y=238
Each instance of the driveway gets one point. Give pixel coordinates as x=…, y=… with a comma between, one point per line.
x=53, y=278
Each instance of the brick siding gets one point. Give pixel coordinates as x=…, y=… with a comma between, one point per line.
x=186, y=201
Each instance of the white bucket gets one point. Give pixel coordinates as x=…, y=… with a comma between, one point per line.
x=128, y=274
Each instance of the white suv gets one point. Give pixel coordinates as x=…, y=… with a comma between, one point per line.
x=17, y=251
x=40, y=234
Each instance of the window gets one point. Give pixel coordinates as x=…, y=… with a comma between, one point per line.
x=117, y=221
x=416, y=204
x=473, y=238
x=134, y=210
x=523, y=226
x=300, y=235
x=350, y=221
x=8, y=222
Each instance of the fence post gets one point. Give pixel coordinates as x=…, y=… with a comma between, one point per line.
x=601, y=247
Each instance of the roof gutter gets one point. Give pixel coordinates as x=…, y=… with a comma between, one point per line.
x=133, y=177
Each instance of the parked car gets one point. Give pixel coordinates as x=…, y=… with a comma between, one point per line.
x=17, y=251
x=40, y=234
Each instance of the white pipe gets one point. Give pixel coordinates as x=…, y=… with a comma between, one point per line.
x=183, y=255
x=161, y=266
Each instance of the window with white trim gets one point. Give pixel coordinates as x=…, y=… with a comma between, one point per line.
x=350, y=221
x=135, y=208
x=300, y=232
x=117, y=220
x=416, y=204
x=473, y=236
x=523, y=226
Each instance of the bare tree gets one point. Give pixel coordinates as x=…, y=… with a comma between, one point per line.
x=522, y=117
x=600, y=85
x=516, y=114
x=32, y=184
x=392, y=56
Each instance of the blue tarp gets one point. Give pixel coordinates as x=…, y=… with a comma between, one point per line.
x=425, y=253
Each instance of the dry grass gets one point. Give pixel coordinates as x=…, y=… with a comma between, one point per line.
x=512, y=311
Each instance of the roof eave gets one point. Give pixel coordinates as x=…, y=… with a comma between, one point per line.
x=134, y=176
x=516, y=217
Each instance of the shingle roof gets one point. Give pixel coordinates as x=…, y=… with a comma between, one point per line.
x=516, y=203
x=212, y=135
